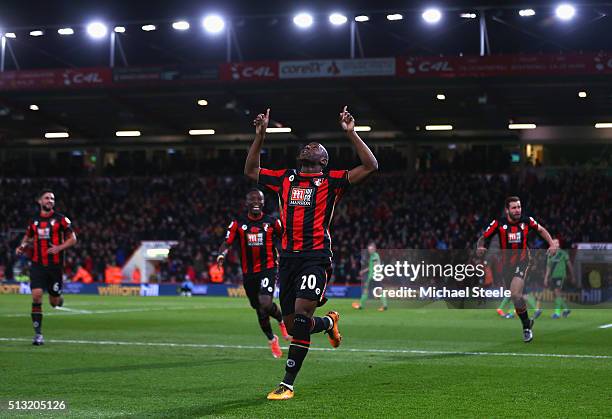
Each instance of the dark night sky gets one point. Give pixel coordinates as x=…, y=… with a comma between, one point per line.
x=273, y=36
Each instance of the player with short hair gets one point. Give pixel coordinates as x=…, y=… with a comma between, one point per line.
x=512, y=231
x=50, y=234
x=256, y=234
x=373, y=260
x=307, y=198
x=557, y=268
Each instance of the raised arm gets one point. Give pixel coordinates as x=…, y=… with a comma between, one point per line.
x=369, y=164
x=252, y=164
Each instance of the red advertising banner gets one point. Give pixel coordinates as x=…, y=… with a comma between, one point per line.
x=505, y=65
x=405, y=67
x=255, y=70
x=55, y=79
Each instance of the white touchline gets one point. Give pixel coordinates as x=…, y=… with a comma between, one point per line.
x=385, y=351
x=606, y=326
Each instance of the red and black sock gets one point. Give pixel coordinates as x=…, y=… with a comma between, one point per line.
x=298, y=348
x=37, y=317
x=320, y=324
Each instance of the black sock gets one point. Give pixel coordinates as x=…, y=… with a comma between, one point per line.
x=298, y=348
x=320, y=324
x=264, y=323
x=524, y=318
x=275, y=313
x=37, y=317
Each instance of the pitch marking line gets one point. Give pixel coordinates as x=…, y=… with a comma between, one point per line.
x=383, y=351
x=71, y=312
x=606, y=326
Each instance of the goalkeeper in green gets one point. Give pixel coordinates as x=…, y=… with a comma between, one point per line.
x=557, y=268
x=374, y=259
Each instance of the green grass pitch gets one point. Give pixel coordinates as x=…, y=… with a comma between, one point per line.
x=206, y=357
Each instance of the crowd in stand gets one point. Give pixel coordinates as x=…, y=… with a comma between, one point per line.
x=428, y=210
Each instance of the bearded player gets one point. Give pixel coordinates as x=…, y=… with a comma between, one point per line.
x=50, y=234
x=512, y=231
x=256, y=234
x=307, y=197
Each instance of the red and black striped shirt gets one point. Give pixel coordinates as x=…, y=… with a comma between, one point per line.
x=512, y=236
x=307, y=202
x=256, y=241
x=45, y=231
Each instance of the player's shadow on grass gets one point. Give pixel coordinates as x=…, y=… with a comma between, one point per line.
x=216, y=409
x=140, y=367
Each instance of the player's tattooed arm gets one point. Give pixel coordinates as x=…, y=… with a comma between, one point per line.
x=552, y=245
x=481, y=246
x=252, y=164
x=369, y=164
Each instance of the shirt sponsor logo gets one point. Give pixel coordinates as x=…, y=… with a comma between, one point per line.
x=43, y=233
x=515, y=237
x=301, y=197
x=255, y=239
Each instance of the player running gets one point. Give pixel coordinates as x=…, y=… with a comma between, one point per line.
x=307, y=197
x=50, y=234
x=373, y=260
x=512, y=231
x=557, y=268
x=256, y=233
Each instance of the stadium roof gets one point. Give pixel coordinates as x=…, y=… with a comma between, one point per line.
x=478, y=107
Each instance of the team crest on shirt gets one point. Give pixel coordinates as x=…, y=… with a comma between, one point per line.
x=522, y=226
x=300, y=196
x=265, y=226
x=244, y=227
x=317, y=181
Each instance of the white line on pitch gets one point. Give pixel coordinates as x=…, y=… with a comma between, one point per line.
x=606, y=326
x=70, y=312
x=384, y=351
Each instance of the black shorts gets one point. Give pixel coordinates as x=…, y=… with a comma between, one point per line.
x=303, y=277
x=48, y=278
x=515, y=270
x=260, y=283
